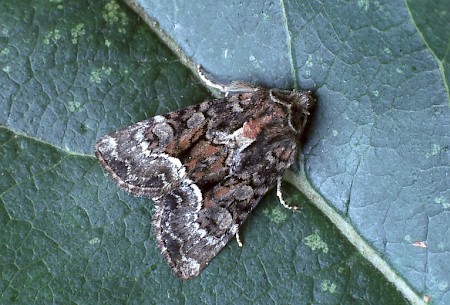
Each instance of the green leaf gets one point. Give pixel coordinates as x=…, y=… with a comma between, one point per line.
x=431, y=20
x=378, y=148
x=377, y=151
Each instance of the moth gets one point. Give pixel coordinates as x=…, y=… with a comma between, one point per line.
x=207, y=166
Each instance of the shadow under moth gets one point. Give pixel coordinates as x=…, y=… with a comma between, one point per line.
x=207, y=166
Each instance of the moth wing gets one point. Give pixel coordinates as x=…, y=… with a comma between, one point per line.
x=192, y=225
x=142, y=158
x=188, y=234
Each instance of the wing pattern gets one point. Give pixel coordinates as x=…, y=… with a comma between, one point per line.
x=206, y=167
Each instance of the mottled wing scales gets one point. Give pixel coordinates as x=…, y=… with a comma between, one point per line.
x=137, y=157
x=136, y=168
x=206, y=167
x=188, y=234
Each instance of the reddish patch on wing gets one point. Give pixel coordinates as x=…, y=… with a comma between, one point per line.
x=253, y=127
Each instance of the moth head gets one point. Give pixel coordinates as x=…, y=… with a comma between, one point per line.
x=299, y=104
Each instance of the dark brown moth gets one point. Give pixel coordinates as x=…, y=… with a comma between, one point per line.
x=207, y=166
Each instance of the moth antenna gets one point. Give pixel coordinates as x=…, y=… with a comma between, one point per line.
x=233, y=87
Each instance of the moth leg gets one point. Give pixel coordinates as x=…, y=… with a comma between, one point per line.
x=280, y=197
x=234, y=87
x=238, y=239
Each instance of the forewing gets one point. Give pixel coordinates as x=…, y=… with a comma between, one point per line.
x=143, y=158
x=188, y=234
